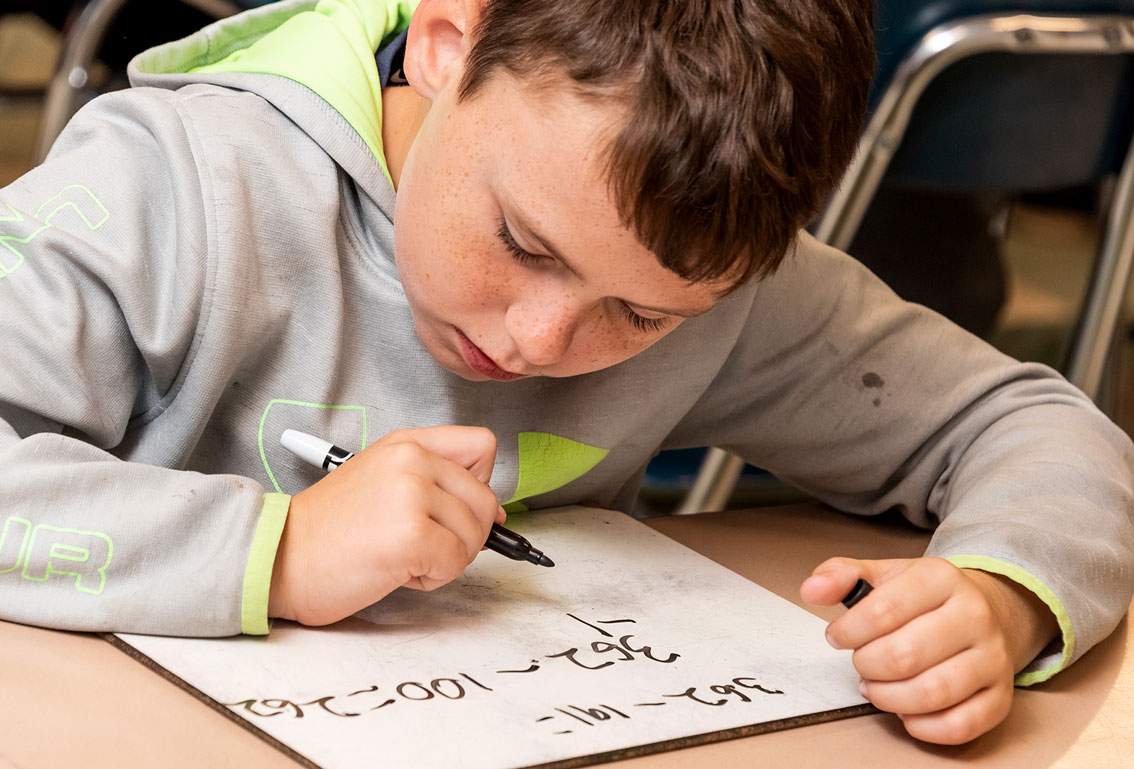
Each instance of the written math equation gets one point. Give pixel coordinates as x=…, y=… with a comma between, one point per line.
x=611, y=648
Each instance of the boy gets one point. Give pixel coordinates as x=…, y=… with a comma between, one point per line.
x=592, y=252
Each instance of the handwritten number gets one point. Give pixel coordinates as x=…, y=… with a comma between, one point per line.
x=402, y=687
x=740, y=682
x=478, y=683
x=647, y=651
x=570, y=655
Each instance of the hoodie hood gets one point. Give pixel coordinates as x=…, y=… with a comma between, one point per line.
x=327, y=46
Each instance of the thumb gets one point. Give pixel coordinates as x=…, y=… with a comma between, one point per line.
x=835, y=578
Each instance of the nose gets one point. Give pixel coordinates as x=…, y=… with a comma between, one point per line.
x=543, y=328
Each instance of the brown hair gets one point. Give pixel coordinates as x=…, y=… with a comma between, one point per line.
x=741, y=114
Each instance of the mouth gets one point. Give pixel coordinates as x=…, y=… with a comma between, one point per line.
x=476, y=359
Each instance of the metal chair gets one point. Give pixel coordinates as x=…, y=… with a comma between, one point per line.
x=919, y=47
x=83, y=36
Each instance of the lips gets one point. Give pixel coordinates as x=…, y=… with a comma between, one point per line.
x=481, y=363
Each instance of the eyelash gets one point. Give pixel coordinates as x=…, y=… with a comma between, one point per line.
x=520, y=255
x=639, y=322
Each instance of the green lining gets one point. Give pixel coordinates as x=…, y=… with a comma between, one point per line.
x=285, y=402
x=548, y=462
x=261, y=559
x=1016, y=574
x=328, y=48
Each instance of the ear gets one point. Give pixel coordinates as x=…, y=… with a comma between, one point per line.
x=439, y=38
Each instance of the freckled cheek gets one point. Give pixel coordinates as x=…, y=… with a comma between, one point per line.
x=605, y=346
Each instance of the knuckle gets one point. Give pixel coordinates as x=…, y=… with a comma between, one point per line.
x=451, y=568
x=934, y=691
x=977, y=615
x=959, y=725
x=404, y=454
x=882, y=613
x=486, y=436
x=403, y=435
x=416, y=528
x=904, y=658
x=939, y=567
x=487, y=503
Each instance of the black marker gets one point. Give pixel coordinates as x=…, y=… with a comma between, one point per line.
x=328, y=456
x=857, y=593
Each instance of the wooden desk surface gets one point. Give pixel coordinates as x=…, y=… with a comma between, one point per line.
x=74, y=700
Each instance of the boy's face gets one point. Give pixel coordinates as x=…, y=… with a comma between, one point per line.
x=511, y=251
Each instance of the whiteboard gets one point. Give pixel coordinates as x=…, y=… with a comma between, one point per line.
x=630, y=640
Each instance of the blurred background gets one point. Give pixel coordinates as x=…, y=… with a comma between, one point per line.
x=1011, y=266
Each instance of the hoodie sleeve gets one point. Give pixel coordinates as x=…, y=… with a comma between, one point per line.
x=104, y=285
x=871, y=403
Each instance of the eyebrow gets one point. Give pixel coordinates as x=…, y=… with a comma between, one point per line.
x=517, y=217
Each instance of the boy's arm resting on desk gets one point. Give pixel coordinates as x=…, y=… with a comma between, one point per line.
x=871, y=404
x=102, y=274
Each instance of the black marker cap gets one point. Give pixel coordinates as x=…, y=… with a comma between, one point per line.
x=857, y=593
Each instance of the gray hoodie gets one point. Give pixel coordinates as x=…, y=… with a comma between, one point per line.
x=206, y=259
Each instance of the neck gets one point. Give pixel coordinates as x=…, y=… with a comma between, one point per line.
x=403, y=111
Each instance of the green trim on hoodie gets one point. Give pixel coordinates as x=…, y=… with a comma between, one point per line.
x=261, y=562
x=1013, y=572
x=327, y=46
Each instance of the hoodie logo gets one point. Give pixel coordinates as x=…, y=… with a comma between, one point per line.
x=75, y=198
x=41, y=551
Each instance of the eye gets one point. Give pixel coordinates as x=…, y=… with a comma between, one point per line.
x=518, y=253
x=641, y=322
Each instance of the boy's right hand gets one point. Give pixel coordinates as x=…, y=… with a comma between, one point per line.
x=412, y=509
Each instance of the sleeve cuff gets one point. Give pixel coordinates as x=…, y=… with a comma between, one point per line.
x=261, y=559
x=1051, y=660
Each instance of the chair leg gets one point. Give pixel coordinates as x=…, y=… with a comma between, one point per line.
x=81, y=42
x=1110, y=282
x=715, y=482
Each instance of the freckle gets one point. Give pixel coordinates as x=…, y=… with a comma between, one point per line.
x=877, y=401
x=872, y=380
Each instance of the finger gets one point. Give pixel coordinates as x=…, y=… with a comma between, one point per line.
x=964, y=721
x=434, y=556
x=921, y=643
x=922, y=587
x=479, y=498
x=833, y=579
x=937, y=688
x=453, y=514
x=830, y=582
x=401, y=452
x=473, y=448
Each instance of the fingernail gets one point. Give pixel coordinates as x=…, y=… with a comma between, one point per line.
x=862, y=687
x=831, y=641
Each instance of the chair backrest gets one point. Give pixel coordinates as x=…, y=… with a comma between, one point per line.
x=955, y=80
x=1008, y=121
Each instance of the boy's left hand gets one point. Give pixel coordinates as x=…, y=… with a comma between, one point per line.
x=937, y=645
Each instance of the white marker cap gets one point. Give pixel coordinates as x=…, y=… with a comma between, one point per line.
x=307, y=447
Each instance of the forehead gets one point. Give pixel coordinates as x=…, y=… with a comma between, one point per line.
x=543, y=151
x=553, y=141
